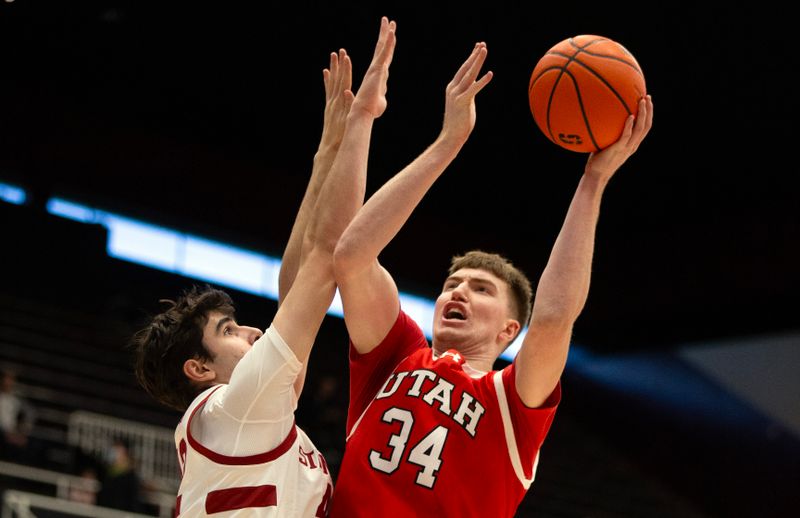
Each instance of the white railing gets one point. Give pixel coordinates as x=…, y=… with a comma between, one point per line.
x=152, y=447
x=18, y=504
x=63, y=482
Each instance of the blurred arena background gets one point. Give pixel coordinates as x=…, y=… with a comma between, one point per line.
x=134, y=133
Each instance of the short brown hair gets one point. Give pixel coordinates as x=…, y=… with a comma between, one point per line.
x=172, y=337
x=521, y=290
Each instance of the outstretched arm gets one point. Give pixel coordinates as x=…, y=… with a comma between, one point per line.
x=369, y=294
x=338, y=98
x=564, y=284
x=341, y=195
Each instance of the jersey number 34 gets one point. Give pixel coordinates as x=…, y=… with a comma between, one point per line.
x=426, y=453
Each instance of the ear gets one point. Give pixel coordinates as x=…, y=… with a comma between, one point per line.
x=509, y=332
x=197, y=371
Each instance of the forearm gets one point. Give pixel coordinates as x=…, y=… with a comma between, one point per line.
x=564, y=285
x=290, y=261
x=560, y=297
x=387, y=210
x=343, y=192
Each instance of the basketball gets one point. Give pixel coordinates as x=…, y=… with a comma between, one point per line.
x=582, y=91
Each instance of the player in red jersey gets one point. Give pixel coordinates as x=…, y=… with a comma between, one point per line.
x=434, y=431
x=239, y=448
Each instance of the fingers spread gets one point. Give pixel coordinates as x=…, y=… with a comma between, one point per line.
x=478, y=85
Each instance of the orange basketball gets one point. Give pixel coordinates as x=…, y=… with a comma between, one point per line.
x=582, y=90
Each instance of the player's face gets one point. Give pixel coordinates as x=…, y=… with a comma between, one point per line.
x=473, y=308
x=228, y=342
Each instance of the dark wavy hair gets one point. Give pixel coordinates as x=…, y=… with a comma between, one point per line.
x=521, y=291
x=170, y=338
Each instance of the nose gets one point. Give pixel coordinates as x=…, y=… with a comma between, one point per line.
x=252, y=334
x=459, y=292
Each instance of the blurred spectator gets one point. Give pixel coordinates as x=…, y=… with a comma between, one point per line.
x=85, y=494
x=121, y=485
x=17, y=417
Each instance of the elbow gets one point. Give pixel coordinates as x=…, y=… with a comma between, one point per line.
x=326, y=246
x=315, y=252
x=319, y=240
x=346, y=261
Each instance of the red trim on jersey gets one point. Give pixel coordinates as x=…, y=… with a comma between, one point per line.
x=241, y=498
x=219, y=458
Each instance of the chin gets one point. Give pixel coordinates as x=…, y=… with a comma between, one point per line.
x=448, y=335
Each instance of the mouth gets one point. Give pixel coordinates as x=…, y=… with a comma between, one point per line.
x=454, y=313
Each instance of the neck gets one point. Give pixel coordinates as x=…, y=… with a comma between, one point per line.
x=479, y=358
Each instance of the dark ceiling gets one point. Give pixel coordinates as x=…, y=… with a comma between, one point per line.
x=206, y=117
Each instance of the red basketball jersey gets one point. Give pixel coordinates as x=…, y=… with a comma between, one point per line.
x=430, y=436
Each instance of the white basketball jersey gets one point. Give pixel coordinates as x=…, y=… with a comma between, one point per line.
x=290, y=481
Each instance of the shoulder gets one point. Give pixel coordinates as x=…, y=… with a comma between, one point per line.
x=199, y=402
x=272, y=338
x=407, y=331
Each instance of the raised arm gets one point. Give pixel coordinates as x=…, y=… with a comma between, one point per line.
x=340, y=196
x=369, y=294
x=564, y=284
x=338, y=99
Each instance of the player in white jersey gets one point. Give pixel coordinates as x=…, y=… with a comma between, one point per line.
x=240, y=451
x=258, y=472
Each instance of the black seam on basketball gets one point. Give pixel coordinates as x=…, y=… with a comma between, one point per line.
x=551, y=67
x=633, y=65
x=605, y=82
x=559, y=54
x=580, y=50
x=550, y=102
x=563, y=70
x=583, y=111
x=580, y=103
x=588, y=43
x=573, y=58
x=539, y=76
x=550, y=97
